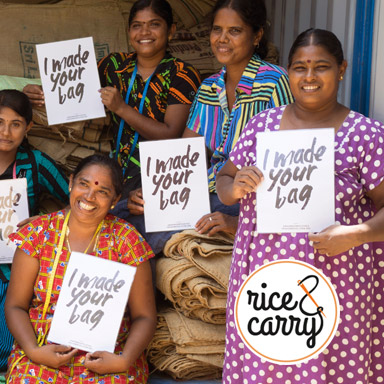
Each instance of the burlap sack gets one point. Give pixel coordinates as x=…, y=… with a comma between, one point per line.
x=216, y=359
x=30, y=1
x=53, y=148
x=163, y=355
x=40, y=119
x=189, y=332
x=28, y=25
x=192, y=45
x=67, y=154
x=210, y=254
x=191, y=291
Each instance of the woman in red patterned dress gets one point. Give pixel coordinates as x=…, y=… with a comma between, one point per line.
x=88, y=228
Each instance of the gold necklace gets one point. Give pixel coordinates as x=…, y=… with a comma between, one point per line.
x=95, y=237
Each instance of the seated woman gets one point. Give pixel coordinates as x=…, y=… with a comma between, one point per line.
x=225, y=102
x=85, y=227
x=17, y=160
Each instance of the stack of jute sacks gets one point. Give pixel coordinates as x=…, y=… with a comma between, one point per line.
x=193, y=276
x=68, y=143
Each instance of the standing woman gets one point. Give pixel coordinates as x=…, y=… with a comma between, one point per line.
x=17, y=160
x=44, y=249
x=149, y=92
x=350, y=253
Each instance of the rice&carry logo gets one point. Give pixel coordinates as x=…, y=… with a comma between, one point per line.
x=287, y=312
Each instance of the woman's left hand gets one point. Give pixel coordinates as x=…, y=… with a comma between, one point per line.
x=112, y=99
x=334, y=239
x=102, y=362
x=217, y=222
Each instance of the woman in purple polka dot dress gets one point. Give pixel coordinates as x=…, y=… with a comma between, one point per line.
x=349, y=253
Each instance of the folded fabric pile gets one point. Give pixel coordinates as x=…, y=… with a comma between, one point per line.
x=193, y=276
x=68, y=143
x=185, y=348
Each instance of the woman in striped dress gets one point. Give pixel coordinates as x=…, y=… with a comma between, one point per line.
x=225, y=102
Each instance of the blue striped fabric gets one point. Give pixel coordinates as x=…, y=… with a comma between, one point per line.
x=6, y=339
x=263, y=85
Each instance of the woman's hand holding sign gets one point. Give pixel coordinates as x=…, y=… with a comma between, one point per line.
x=52, y=355
x=246, y=180
x=103, y=362
x=112, y=99
x=237, y=183
x=35, y=94
x=135, y=202
x=334, y=239
x=337, y=239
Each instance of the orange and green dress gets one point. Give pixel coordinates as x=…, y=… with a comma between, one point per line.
x=118, y=241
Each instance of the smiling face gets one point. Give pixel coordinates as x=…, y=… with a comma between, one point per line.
x=314, y=77
x=233, y=41
x=149, y=34
x=13, y=128
x=92, y=194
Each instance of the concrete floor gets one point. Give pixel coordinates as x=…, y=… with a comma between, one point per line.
x=156, y=379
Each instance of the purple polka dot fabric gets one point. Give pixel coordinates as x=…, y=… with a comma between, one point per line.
x=356, y=353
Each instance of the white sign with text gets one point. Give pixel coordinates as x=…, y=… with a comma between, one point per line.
x=91, y=303
x=175, y=183
x=70, y=80
x=297, y=194
x=13, y=209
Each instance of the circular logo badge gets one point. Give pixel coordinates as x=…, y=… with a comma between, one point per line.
x=287, y=312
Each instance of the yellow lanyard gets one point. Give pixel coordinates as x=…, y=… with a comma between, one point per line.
x=57, y=258
x=59, y=249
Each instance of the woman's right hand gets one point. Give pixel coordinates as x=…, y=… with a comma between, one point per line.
x=35, y=94
x=135, y=202
x=111, y=98
x=52, y=355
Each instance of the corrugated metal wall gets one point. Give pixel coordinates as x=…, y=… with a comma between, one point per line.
x=290, y=17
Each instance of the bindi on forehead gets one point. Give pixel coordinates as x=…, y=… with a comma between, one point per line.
x=309, y=61
x=96, y=182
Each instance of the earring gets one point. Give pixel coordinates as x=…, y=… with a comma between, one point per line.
x=70, y=189
x=341, y=78
x=112, y=206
